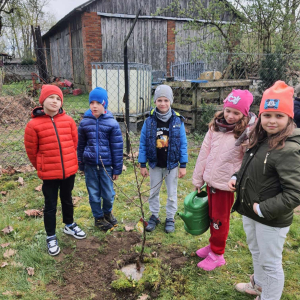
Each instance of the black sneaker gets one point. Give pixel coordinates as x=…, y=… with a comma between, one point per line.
x=102, y=224
x=52, y=244
x=153, y=221
x=111, y=219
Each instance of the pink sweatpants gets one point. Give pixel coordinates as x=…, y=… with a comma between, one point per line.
x=219, y=204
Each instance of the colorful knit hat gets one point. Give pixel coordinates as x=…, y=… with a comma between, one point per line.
x=100, y=95
x=279, y=98
x=240, y=100
x=48, y=90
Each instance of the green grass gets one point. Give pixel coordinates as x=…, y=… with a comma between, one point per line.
x=78, y=103
x=15, y=89
x=28, y=238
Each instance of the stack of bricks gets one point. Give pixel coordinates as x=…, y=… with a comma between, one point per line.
x=170, y=45
x=92, y=41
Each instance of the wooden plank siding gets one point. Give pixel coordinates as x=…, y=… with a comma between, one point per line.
x=77, y=50
x=60, y=55
x=147, y=44
x=148, y=7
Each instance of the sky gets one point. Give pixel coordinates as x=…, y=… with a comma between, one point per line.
x=60, y=8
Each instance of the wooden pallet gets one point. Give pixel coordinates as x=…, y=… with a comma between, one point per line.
x=189, y=96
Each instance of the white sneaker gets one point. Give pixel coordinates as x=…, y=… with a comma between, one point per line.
x=53, y=248
x=75, y=231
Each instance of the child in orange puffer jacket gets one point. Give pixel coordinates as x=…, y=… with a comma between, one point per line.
x=51, y=142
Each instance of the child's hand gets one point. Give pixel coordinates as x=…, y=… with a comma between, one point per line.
x=198, y=189
x=182, y=172
x=254, y=208
x=115, y=177
x=231, y=184
x=144, y=172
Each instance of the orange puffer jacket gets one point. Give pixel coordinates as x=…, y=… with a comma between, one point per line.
x=51, y=144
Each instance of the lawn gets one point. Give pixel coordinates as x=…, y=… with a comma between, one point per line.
x=171, y=264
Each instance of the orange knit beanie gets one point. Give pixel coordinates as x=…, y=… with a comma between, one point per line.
x=279, y=98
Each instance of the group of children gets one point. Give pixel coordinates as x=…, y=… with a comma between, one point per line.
x=258, y=158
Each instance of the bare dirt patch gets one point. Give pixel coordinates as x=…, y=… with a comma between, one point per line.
x=88, y=270
x=297, y=210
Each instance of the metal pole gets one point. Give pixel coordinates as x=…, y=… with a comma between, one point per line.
x=126, y=96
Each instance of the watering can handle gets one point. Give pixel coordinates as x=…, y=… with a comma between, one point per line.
x=203, y=187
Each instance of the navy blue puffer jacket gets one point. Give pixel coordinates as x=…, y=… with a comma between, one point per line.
x=97, y=138
x=177, y=149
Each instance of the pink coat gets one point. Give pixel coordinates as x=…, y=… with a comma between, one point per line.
x=218, y=160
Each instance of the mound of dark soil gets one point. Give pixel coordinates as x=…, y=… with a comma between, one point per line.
x=88, y=270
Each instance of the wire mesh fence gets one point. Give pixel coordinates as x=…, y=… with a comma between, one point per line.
x=197, y=80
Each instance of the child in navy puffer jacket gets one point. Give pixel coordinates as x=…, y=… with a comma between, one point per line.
x=100, y=144
x=163, y=145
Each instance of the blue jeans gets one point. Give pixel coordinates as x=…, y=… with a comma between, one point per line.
x=99, y=187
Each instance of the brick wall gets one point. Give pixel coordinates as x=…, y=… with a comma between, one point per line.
x=170, y=44
x=91, y=42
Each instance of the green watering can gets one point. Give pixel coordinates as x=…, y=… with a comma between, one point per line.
x=195, y=217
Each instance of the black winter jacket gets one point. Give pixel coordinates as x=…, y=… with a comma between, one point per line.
x=272, y=179
x=297, y=111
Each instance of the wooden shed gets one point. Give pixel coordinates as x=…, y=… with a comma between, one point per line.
x=95, y=31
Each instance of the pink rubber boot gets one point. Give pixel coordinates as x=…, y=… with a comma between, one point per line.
x=211, y=262
x=203, y=252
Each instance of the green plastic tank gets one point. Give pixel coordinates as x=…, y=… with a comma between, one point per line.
x=195, y=216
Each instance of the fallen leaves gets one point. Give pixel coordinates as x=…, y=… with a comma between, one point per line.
x=5, y=245
x=4, y=264
x=128, y=228
x=8, y=253
x=9, y=171
x=124, y=168
x=20, y=180
x=39, y=187
x=7, y=230
x=154, y=254
x=3, y=193
x=76, y=200
x=30, y=271
x=25, y=169
x=33, y=213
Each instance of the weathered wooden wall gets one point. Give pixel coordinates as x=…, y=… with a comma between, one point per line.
x=148, y=7
x=147, y=44
x=60, y=54
x=77, y=50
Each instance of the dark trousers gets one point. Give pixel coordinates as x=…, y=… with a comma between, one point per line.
x=219, y=204
x=50, y=191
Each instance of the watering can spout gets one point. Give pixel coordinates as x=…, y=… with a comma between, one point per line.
x=185, y=217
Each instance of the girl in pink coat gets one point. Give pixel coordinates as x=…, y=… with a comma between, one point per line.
x=221, y=156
